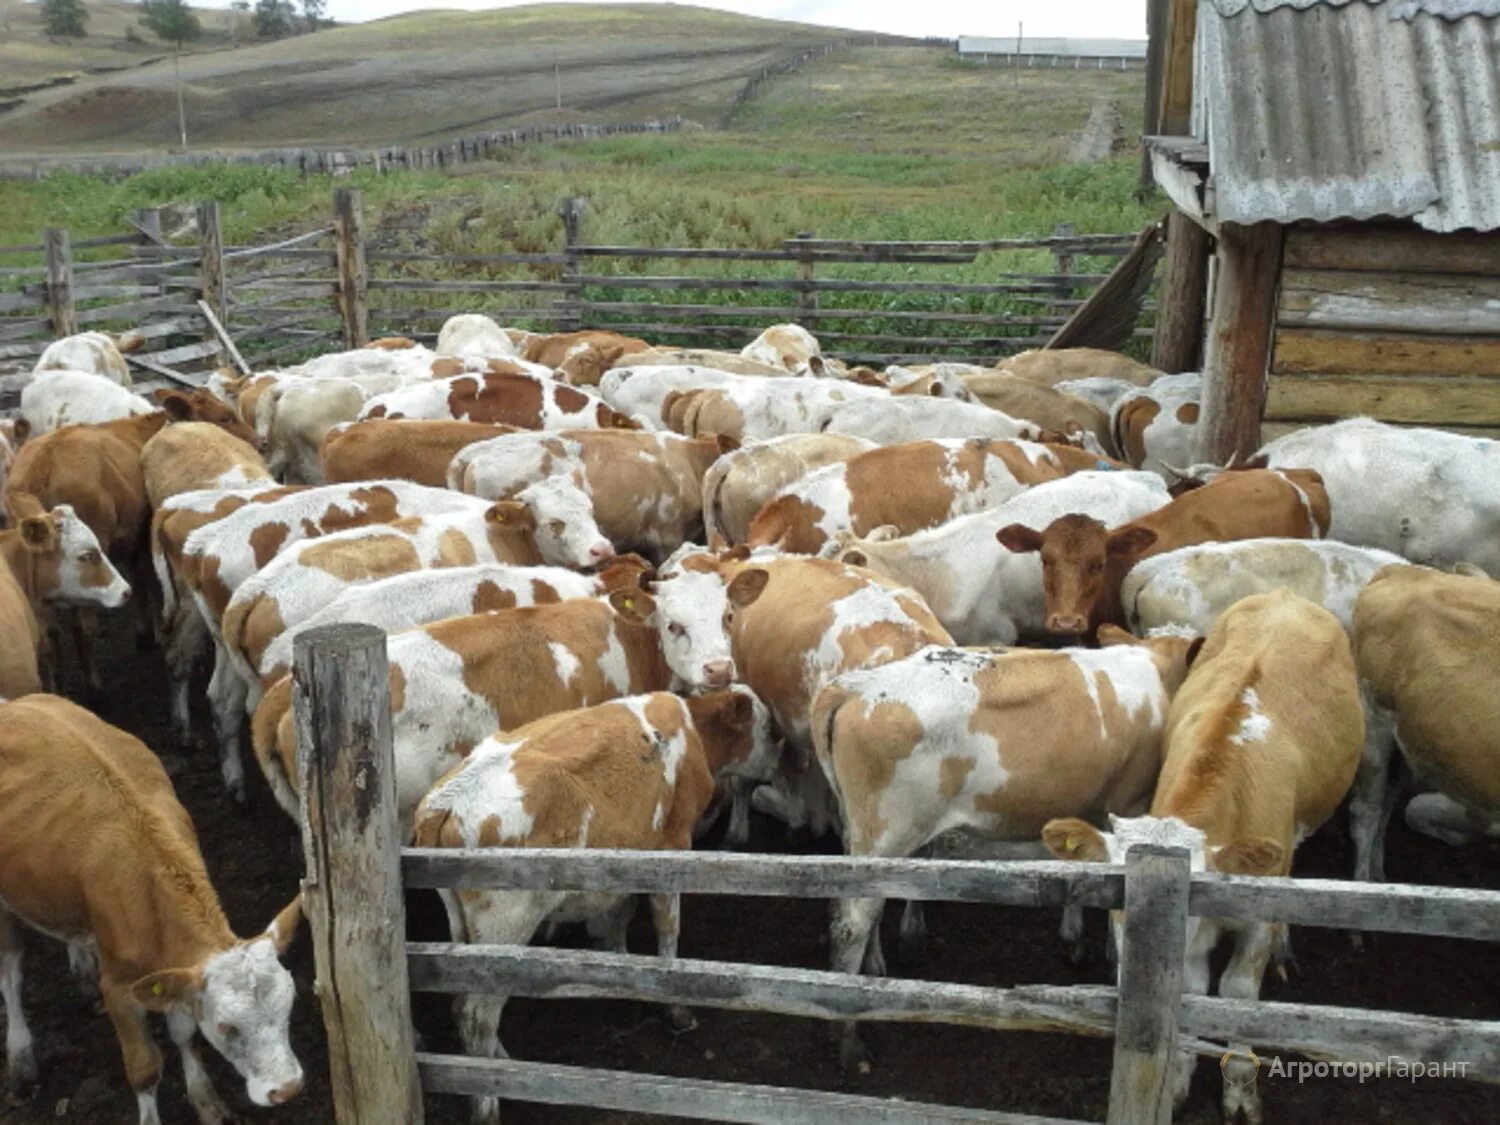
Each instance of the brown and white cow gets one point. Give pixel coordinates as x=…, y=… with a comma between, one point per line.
x=788, y=346
x=1050, y=366
x=403, y=449
x=1083, y=562
x=1157, y=426
x=636, y=773
x=1262, y=744
x=197, y=455
x=98, y=353
x=908, y=487
x=646, y=488
x=581, y=358
x=96, y=851
x=45, y=557
x=530, y=401
x=742, y=480
x=1426, y=644
x=1048, y=407
x=997, y=742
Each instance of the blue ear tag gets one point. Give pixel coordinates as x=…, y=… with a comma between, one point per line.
x=1104, y=466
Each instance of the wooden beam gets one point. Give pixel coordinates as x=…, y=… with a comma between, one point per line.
x=59, y=282
x=213, y=296
x=1178, y=344
x=1158, y=19
x=1310, y=351
x=1391, y=398
x=1386, y=247
x=354, y=274
x=1460, y=304
x=1184, y=185
x=1238, y=350
x=352, y=892
x=1174, y=115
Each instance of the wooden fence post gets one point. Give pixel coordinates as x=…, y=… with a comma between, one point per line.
x=1151, y=953
x=570, y=211
x=1062, y=265
x=352, y=892
x=60, y=282
x=211, y=283
x=807, y=296
x=354, y=277
x=1178, y=343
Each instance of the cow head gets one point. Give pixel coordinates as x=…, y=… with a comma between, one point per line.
x=737, y=732
x=611, y=419
x=242, y=999
x=1079, y=558
x=559, y=518
x=203, y=406
x=585, y=364
x=65, y=560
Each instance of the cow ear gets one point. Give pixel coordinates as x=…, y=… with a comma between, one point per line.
x=20, y=429
x=737, y=553
x=625, y=572
x=1019, y=539
x=1111, y=635
x=512, y=515
x=39, y=533
x=1130, y=542
x=283, y=927
x=738, y=712
x=1249, y=855
x=727, y=443
x=1193, y=650
x=746, y=586
x=1071, y=838
x=637, y=605
x=717, y=542
x=168, y=989
x=854, y=557
x=177, y=405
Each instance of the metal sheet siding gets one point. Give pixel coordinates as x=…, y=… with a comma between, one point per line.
x=1324, y=111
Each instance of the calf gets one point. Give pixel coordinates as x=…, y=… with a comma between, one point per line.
x=47, y=557
x=1048, y=407
x=981, y=589
x=532, y=402
x=1156, y=427
x=788, y=346
x=747, y=409
x=996, y=742
x=98, y=353
x=198, y=455
x=128, y=883
x=906, y=488
x=1083, y=564
x=411, y=449
x=1262, y=743
x=645, y=489
x=886, y=421
x=581, y=358
x=1426, y=645
x=636, y=773
x=741, y=481
x=54, y=399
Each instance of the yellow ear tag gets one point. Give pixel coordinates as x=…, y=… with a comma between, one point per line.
x=157, y=989
x=629, y=603
x=1071, y=843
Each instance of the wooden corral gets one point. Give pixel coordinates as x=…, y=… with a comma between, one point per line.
x=364, y=963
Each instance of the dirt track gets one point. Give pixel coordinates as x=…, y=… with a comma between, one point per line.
x=252, y=856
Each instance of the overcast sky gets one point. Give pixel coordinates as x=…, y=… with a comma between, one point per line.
x=947, y=18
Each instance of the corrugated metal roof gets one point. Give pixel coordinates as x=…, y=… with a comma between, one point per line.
x=1396, y=9
x=1329, y=109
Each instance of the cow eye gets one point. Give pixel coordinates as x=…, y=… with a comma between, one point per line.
x=556, y=526
x=677, y=629
x=229, y=1033
x=1095, y=567
x=90, y=557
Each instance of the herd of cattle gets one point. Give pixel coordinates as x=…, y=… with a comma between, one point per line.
x=629, y=589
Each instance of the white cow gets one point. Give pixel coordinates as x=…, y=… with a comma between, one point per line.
x=95, y=352
x=54, y=399
x=896, y=418
x=1156, y=425
x=474, y=335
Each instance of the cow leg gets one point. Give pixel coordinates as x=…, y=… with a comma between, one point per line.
x=1071, y=932
x=85, y=622
x=200, y=1089
x=1443, y=818
x=142, y=1059
x=1369, y=809
x=913, y=929
x=610, y=928
x=666, y=916
x=1241, y=981
x=1195, y=971
x=738, y=834
x=84, y=968
x=186, y=634
x=854, y=920
x=226, y=695
x=20, y=1058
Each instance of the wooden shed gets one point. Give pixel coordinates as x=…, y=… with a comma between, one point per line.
x=1335, y=251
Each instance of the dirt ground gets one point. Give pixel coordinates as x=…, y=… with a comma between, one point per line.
x=254, y=860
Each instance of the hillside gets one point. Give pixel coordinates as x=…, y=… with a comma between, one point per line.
x=421, y=76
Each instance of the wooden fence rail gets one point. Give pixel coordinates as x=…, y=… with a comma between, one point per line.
x=366, y=969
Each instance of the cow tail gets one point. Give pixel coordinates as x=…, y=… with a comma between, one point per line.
x=825, y=712
x=274, y=739
x=164, y=577
x=713, y=486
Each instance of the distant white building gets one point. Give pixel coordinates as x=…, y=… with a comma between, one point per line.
x=1012, y=50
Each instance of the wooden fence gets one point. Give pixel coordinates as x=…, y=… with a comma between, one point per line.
x=356, y=873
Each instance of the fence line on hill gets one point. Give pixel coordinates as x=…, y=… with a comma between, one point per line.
x=366, y=970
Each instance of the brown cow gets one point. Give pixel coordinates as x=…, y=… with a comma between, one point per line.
x=194, y=455
x=581, y=358
x=524, y=399
x=1083, y=563
x=412, y=449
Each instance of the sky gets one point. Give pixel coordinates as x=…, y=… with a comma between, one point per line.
x=946, y=18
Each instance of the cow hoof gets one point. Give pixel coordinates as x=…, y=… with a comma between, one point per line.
x=682, y=1018
x=22, y=1083
x=854, y=1057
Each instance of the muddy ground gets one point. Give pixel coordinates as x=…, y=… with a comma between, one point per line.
x=253, y=859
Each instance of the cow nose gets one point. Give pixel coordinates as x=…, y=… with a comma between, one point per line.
x=125, y=595
x=285, y=1092
x=1066, y=623
x=718, y=674
x=601, y=551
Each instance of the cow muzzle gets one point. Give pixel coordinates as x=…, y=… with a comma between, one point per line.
x=1071, y=624
x=718, y=675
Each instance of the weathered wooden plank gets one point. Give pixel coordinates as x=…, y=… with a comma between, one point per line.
x=93, y=292
x=27, y=348
x=128, y=310
x=282, y=247
x=1035, y=283
x=1389, y=302
x=1391, y=398
x=1238, y=350
x=1078, y=244
x=60, y=282
x=895, y=254
x=1178, y=344
x=17, y=327
x=553, y=1084
x=1312, y=352
x=213, y=294
x=352, y=892
x=25, y=299
x=418, y=285
x=353, y=272
x=105, y=240
x=821, y=314
x=203, y=349
x=168, y=376
x=400, y=256
x=409, y=315
x=1403, y=248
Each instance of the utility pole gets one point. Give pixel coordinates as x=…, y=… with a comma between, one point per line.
x=181, y=109
x=557, y=79
x=1020, y=26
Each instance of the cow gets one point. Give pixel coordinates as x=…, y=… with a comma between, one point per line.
x=1050, y=366
x=307, y=575
x=96, y=352
x=581, y=358
x=728, y=363
x=999, y=743
x=1191, y=587
x=747, y=409
x=405, y=449
x=532, y=402
x=96, y=851
x=742, y=480
x=1426, y=645
x=645, y=488
x=1262, y=743
x=1103, y=393
x=1084, y=560
x=1430, y=496
x=13, y=431
x=472, y=334
x=453, y=683
x=46, y=557
x=1156, y=426
x=634, y=773
x=897, y=418
x=1048, y=407
x=195, y=455
x=788, y=346
x=906, y=488
x=982, y=590
x=54, y=399
x=935, y=380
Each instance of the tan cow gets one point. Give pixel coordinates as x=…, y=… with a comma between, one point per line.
x=1083, y=563
x=1047, y=407
x=741, y=481
x=46, y=557
x=1427, y=645
x=997, y=742
x=581, y=358
x=637, y=773
x=196, y=455
x=1049, y=366
x=1262, y=744
x=96, y=851
x=789, y=346
x=404, y=448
